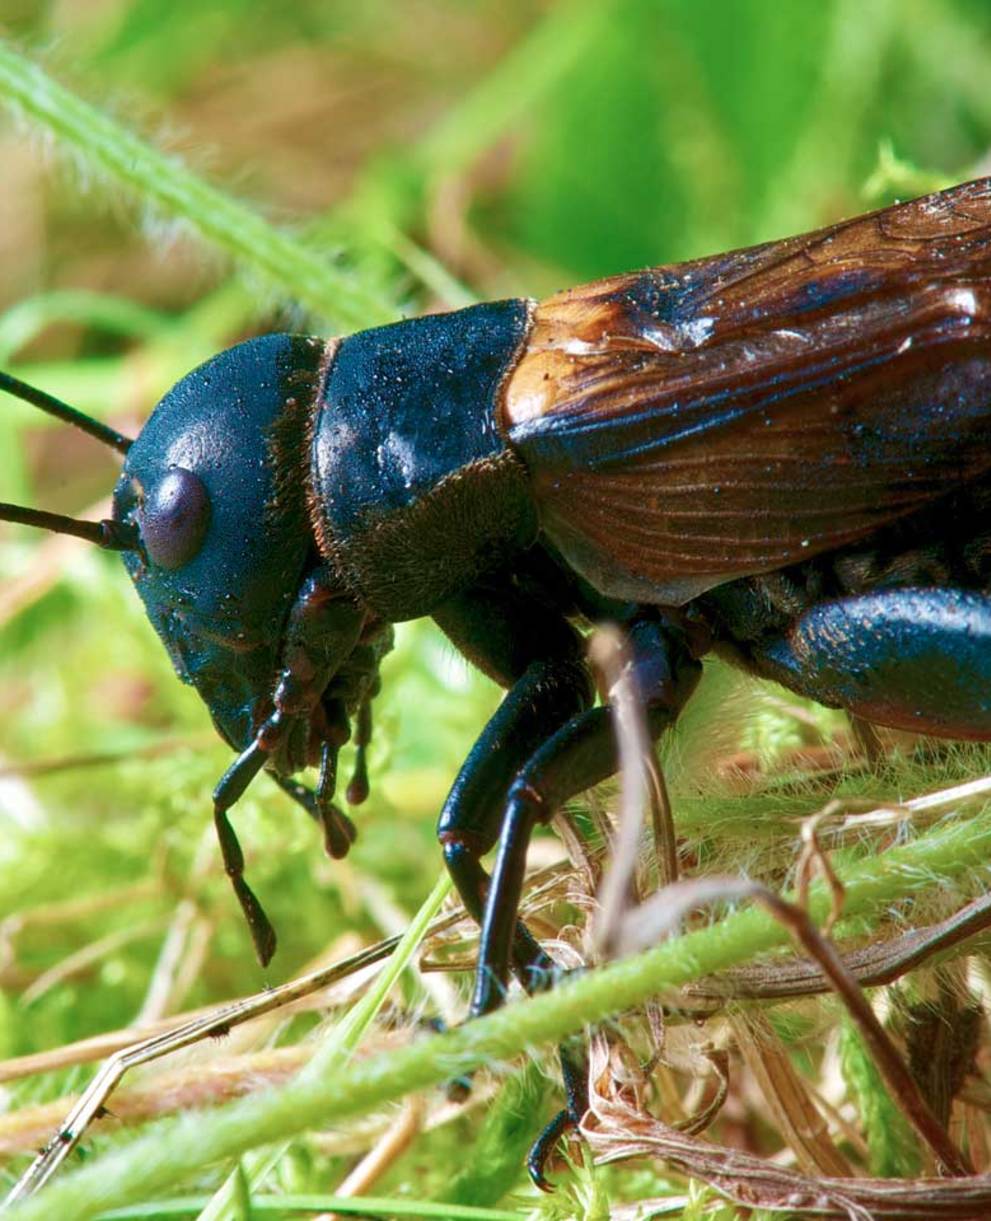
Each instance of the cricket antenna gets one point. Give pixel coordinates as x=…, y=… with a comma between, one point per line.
x=111, y=535
x=62, y=411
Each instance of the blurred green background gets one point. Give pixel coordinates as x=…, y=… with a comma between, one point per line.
x=433, y=152
x=529, y=145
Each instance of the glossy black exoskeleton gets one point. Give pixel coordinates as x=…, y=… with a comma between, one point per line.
x=782, y=454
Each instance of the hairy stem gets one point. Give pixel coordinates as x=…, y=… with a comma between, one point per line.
x=293, y=268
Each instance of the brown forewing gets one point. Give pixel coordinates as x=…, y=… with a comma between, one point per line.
x=731, y=415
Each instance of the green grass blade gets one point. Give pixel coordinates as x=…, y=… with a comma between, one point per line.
x=291, y=267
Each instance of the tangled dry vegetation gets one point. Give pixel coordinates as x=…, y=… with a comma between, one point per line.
x=840, y=1078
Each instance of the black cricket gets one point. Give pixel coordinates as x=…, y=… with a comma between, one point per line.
x=782, y=454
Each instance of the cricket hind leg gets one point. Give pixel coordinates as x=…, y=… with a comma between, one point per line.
x=548, y=682
x=915, y=659
x=580, y=755
x=547, y=694
x=507, y=786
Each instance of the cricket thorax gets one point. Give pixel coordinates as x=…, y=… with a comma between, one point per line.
x=413, y=490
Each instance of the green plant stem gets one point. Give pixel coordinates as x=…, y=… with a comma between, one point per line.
x=292, y=267
x=163, y=1156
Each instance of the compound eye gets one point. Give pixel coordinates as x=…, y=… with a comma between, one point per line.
x=174, y=518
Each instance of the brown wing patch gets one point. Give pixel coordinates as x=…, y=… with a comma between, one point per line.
x=736, y=414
